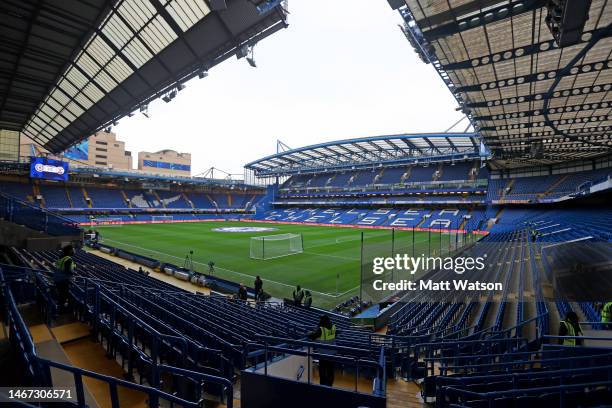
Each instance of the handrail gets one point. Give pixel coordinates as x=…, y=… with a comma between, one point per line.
x=523, y=391
x=518, y=353
x=519, y=362
x=539, y=373
x=335, y=347
x=378, y=387
x=29, y=205
x=550, y=336
x=43, y=364
x=20, y=212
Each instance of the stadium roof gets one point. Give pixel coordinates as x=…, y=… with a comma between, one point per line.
x=368, y=152
x=69, y=69
x=533, y=101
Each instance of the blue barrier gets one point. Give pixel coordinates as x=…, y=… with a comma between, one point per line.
x=22, y=213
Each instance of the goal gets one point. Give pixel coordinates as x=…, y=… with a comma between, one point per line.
x=107, y=221
x=162, y=218
x=276, y=246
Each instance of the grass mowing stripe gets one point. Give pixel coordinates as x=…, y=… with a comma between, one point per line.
x=333, y=267
x=244, y=275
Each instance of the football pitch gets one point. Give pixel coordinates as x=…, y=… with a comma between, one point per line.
x=330, y=265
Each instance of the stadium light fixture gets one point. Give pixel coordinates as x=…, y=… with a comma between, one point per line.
x=247, y=51
x=251, y=61
x=166, y=98
x=180, y=87
x=203, y=74
x=144, y=109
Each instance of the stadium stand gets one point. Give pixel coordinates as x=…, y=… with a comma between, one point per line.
x=532, y=184
x=55, y=196
x=106, y=198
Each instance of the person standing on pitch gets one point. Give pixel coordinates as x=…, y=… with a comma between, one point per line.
x=298, y=296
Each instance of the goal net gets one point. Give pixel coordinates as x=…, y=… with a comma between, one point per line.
x=276, y=246
x=108, y=221
x=162, y=218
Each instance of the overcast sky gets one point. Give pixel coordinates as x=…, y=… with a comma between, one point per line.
x=342, y=69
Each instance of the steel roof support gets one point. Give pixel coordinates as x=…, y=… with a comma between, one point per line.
x=505, y=11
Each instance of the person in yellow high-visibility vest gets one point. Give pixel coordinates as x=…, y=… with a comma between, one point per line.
x=606, y=315
x=326, y=334
x=64, y=270
x=570, y=327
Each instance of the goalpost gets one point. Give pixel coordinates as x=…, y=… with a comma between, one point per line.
x=107, y=221
x=276, y=246
x=162, y=218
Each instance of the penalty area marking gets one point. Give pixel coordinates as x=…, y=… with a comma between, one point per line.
x=229, y=270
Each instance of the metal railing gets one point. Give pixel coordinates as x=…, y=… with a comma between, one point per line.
x=39, y=369
x=354, y=357
x=22, y=213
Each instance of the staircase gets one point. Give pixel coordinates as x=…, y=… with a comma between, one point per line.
x=51, y=344
x=507, y=188
x=438, y=173
x=406, y=175
x=127, y=200
x=87, y=199
x=159, y=200
x=474, y=172
x=68, y=197
x=212, y=201
x=423, y=220
x=229, y=200
x=465, y=221
x=378, y=176
x=490, y=223
x=553, y=186
x=37, y=193
x=330, y=179
x=188, y=200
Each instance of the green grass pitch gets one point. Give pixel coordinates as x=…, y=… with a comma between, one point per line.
x=329, y=266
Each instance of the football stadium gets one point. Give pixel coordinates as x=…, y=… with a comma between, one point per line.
x=419, y=269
